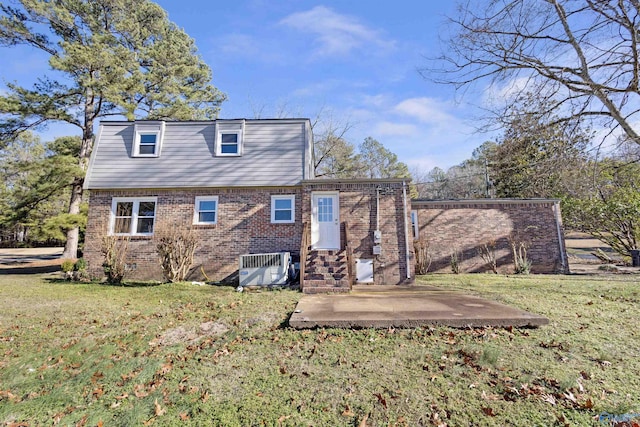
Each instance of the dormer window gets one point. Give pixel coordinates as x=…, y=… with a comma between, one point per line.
x=148, y=144
x=148, y=139
x=229, y=135
x=229, y=144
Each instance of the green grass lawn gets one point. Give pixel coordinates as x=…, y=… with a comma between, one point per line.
x=89, y=354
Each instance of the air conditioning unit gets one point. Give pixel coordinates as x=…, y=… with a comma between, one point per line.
x=264, y=269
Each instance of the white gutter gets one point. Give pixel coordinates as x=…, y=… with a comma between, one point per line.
x=563, y=257
x=406, y=229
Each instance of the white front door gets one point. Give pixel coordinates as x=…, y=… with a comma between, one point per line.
x=325, y=221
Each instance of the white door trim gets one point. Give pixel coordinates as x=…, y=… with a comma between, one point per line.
x=325, y=235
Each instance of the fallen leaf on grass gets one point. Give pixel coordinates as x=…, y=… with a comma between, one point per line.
x=158, y=410
x=82, y=421
x=348, y=412
x=363, y=422
x=21, y=424
x=489, y=412
x=98, y=392
x=184, y=416
x=96, y=376
x=549, y=399
x=588, y=404
x=381, y=400
x=283, y=419
x=139, y=391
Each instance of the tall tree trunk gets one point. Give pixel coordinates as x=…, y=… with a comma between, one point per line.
x=73, y=235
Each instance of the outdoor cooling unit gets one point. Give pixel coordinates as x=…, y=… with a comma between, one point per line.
x=264, y=269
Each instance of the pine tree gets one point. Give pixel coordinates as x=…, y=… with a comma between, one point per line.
x=108, y=58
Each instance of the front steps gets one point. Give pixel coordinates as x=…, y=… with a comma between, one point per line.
x=326, y=272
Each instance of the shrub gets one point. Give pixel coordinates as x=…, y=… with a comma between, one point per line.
x=67, y=268
x=423, y=257
x=80, y=270
x=521, y=263
x=455, y=261
x=175, y=246
x=114, y=249
x=488, y=254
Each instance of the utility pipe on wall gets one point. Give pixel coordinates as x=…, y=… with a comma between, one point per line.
x=406, y=229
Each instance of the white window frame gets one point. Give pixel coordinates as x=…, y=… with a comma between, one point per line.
x=134, y=214
x=196, y=210
x=414, y=224
x=141, y=129
x=290, y=197
x=238, y=134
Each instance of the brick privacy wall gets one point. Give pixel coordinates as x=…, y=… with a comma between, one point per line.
x=244, y=226
x=465, y=228
x=357, y=202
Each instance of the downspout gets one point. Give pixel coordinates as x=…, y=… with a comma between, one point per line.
x=406, y=229
x=563, y=258
x=377, y=208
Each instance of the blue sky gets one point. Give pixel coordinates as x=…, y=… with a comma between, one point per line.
x=356, y=61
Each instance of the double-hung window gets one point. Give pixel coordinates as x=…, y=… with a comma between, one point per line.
x=147, y=144
x=229, y=138
x=229, y=144
x=133, y=216
x=283, y=209
x=147, y=139
x=206, y=210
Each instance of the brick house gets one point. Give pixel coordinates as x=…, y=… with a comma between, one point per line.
x=244, y=187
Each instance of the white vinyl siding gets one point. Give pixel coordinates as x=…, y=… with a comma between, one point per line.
x=283, y=209
x=206, y=210
x=273, y=155
x=133, y=216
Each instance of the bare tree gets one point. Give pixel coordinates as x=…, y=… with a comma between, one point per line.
x=581, y=55
x=334, y=156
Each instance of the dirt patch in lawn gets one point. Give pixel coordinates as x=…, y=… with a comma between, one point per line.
x=186, y=335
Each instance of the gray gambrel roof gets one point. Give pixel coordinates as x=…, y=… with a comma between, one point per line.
x=275, y=152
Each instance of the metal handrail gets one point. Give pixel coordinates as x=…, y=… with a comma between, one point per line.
x=349, y=251
x=304, y=251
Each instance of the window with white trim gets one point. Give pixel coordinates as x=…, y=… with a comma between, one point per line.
x=133, y=216
x=148, y=139
x=283, y=209
x=414, y=224
x=229, y=139
x=206, y=210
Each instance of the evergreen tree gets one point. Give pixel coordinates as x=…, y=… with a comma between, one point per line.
x=108, y=58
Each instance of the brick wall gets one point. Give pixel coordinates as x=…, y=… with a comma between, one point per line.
x=357, y=200
x=244, y=226
x=465, y=226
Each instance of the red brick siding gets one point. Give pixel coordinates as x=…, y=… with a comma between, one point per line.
x=357, y=202
x=465, y=228
x=244, y=226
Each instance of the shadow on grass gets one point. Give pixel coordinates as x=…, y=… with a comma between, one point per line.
x=128, y=284
x=31, y=270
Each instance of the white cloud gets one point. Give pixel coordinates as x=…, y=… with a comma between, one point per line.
x=335, y=34
x=386, y=128
x=426, y=110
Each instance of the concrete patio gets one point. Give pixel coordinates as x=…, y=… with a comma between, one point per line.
x=406, y=306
